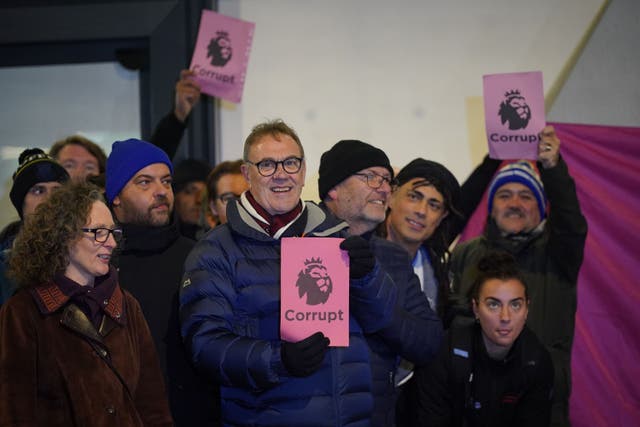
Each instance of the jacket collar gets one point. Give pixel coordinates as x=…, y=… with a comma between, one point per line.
x=50, y=298
x=313, y=221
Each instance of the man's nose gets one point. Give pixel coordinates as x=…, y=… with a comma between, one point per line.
x=280, y=172
x=421, y=209
x=385, y=187
x=160, y=189
x=514, y=201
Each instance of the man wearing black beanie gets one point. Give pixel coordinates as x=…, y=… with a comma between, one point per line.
x=37, y=176
x=189, y=187
x=354, y=184
x=34, y=180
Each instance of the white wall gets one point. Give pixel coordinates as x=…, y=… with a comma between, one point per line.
x=604, y=86
x=405, y=76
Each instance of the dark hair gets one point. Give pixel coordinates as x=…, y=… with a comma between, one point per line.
x=441, y=238
x=94, y=149
x=41, y=249
x=496, y=265
x=225, y=168
x=273, y=128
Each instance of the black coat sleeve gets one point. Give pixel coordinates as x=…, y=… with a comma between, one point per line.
x=435, y=396
x=471, y=192
x=168, y=134
x=567, y=226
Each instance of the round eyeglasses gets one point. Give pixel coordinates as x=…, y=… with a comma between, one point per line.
x=101, y=234
x=268, y=167
x=374, y=180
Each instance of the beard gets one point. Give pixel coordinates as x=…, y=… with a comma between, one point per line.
x=149, y=216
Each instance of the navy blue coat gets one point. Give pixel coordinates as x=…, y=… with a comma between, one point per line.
x=414, y=333
x=230, y=310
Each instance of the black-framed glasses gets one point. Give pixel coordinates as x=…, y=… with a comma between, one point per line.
x=227, y=197
x=268, y=167
x=374, y=180
x=101, y=234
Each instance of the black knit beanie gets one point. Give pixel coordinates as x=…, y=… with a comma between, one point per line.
x=187, y=171
x=35, y=166
x=344, y=159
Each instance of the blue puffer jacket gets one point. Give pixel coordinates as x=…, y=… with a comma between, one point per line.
x=414, y=333
x=230, y=309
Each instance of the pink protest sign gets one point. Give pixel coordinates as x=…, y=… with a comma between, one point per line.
x=514, y=114
x=221, y=55
x=314, y=289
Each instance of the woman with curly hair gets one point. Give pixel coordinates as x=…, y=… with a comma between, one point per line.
x=75, y=348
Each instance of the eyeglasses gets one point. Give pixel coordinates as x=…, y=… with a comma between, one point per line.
x=227, y=197
x=101, y=234
x=374, y=180
x=268, y=167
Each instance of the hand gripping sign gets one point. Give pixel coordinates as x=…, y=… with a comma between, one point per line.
x=514, y=114
x=314, y=289
x=221, y=55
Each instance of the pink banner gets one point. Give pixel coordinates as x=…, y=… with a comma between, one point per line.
x=604, y=162
x=314, y=289
x=514, y=114
x=221, y=55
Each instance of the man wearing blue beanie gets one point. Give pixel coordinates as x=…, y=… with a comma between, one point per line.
x=548, y=249
x=150, y=262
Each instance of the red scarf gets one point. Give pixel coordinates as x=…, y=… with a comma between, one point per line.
x=274, y=222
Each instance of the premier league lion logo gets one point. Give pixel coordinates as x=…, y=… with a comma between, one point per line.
x=514, y=109
x=219, y=49
x=314, y=281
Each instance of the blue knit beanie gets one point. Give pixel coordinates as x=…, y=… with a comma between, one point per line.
x=126, y=159
x=523, y=173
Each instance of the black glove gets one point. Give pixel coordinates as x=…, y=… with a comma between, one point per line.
x=361, y=259
x=304, y=357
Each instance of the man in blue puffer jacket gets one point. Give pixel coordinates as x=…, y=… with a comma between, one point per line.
x=230, y=302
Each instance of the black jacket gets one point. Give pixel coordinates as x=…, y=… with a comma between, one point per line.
x=464, y=387
x=150, y=266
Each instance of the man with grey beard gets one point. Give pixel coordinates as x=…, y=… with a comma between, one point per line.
x=150, y=265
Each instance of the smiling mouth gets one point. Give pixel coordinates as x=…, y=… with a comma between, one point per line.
x=414, y=224
x=281, y=189
x=514, y=214
x=379, y=203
